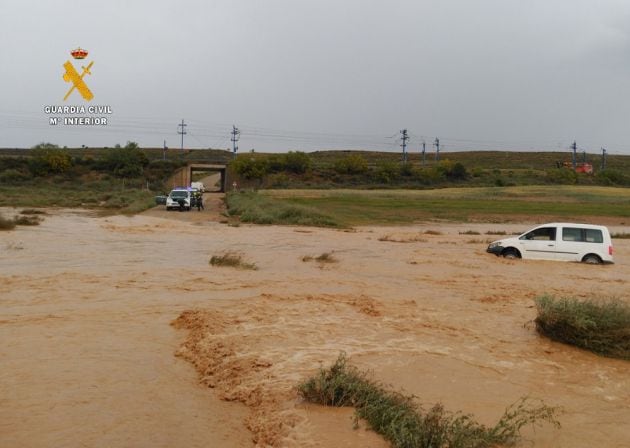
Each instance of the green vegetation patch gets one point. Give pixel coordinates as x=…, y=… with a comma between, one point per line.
x=405, y=424
x=110, y=195
x=367, y=207
x=601, y=326
x=258, y=209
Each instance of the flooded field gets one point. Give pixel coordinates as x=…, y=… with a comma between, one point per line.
x=116, y=331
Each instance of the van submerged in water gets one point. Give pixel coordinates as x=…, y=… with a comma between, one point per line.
x=586, y=243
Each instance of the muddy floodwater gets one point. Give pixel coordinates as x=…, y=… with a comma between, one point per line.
x=117, y=332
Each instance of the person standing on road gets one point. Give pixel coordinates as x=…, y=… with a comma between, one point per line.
x=199, y=200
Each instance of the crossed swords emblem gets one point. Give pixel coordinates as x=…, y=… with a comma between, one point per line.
x=71, y=75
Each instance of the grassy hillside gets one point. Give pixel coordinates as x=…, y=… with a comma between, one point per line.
x=113, y=177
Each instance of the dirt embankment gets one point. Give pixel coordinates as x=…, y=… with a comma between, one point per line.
x=88, y=350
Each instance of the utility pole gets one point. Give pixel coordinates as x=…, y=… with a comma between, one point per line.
x=164, y=151
x=603, y=159
x=424, y=153
x=235, y=136
x=574, y=147
x=182, y=132
x=437, y=148
x=404, y=139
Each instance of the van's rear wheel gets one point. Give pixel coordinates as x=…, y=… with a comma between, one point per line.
x=511, y=254
x=591, y=259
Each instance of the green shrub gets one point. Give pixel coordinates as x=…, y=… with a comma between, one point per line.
x=451, y=170
x=127, y=162
x=477, y=172
x=11, y=176
x=48, y=158
x=297, y=162
x=601, y=326
x=405, y=424
x=562, y=176
x=612, y=177
x=250, y=167
x=406, y=169
x=387, y=172
x=430, y=176
x=352, y=164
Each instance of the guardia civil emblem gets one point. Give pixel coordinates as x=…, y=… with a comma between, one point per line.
x=72, y=75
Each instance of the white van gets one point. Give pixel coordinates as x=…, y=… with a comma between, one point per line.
x=198, y=186
x=558, y=241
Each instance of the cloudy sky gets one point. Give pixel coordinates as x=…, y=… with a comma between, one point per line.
x=321, y=74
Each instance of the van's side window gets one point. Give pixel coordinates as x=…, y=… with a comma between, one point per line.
x=582, y=235
x=542, y=234
x=593, y=236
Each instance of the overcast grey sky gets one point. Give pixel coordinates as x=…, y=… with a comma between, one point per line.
x=321, y=74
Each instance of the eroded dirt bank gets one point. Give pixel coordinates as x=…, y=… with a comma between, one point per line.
x=88, y=352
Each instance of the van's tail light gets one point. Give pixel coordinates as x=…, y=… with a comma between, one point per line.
x=610, y=250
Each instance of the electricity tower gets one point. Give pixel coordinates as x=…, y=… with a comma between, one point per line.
x=424, y=153
x=182, y=132
x=437, y=148
x=404, y=137
x=235, y=137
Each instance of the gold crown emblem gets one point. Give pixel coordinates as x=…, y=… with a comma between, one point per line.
x=79, y=53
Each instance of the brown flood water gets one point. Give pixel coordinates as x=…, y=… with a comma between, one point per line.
x=93, y=353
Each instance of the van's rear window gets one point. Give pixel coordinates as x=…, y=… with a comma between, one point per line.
x=582, y=235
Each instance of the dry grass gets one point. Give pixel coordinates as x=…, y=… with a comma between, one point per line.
x=233, y=260
x=6, y=224
x=32, y=211
x=478, y=241
x=407, y=239
x=29, y=220
x=326, y=257
x=469, y=232
x=10, y=224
